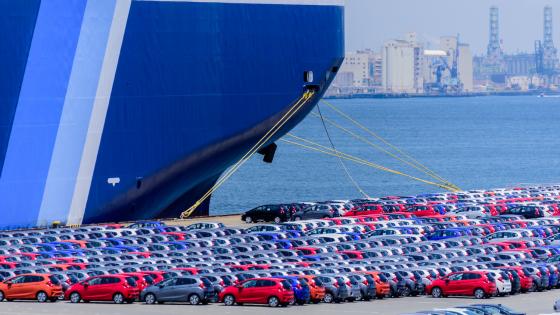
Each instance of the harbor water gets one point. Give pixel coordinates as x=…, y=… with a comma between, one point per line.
x=474, y=142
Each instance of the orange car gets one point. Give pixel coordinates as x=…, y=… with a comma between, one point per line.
x=382, y=288
x=317, y=290
x=40, y=287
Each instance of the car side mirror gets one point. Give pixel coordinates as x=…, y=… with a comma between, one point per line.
x=446, y=281
x=86, y=285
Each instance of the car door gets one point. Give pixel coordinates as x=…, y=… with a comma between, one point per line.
x=247, y=292
x=316, y=212
x=106, y=288
x=453, y=283
x=180, y=290
x=262, y=290
x=165, y=293
x=468, y=283
x=15, y=287
x=308, y=212
x=92, y=289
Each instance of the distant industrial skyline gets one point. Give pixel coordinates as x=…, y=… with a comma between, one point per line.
x=370, y=23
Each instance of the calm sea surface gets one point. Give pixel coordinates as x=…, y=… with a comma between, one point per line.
x=477, y=142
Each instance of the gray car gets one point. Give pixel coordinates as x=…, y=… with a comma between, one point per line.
x=194, y=290
x=320, y=211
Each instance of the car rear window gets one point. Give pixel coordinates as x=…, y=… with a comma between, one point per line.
x=206, y=282
x=149, y=280
x=318, y=282
x=54, y=280
x=130, y=281
x=286, y=285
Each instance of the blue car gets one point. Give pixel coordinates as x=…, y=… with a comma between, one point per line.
x=302, y=292
x=448, y=233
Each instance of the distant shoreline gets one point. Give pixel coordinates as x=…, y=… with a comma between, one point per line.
x=474, y=94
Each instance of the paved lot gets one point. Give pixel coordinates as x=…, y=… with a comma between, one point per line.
x=532, y=304
x=228, y=220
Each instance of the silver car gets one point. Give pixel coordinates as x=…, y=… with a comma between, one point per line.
x=194, y=290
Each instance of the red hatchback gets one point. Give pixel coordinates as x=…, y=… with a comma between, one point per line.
x=116, y=288
x=271, y=291
x=367, y=209
x=471, y=283
x=422, y=210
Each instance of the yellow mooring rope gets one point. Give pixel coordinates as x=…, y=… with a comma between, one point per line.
x=412, y=162
x=326, y=150
x=262, y=141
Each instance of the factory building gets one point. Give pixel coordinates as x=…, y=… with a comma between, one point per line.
x=403, y=66
x=360, y=73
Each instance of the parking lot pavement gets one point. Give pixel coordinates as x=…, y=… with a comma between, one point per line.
x=233, y=220
x=532, y=304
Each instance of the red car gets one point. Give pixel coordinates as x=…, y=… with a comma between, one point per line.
x=142, y=280
x=423, y=210
x=367, y=209
x=116, y=288
x=271, y=291
x=470, y=283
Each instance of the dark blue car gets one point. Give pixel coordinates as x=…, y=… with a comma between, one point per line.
x=302, y=293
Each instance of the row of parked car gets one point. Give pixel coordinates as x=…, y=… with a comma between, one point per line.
x=344, y=258
x=532, y=202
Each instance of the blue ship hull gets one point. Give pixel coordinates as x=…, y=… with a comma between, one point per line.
x=114, y=110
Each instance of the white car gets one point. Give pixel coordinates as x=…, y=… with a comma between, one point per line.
x=472, y=212
x=503, y=283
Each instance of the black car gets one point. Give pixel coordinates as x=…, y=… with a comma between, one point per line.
x=269, y=213
x=528, y=212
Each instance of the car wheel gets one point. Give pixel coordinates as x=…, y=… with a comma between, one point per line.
x=118, y=298
x=42, y=297
x=277, y=220
x=1, y=296
x=229, y=300
x=194, y=299
x=436, y=292
x=405, y=292
x=479, y=294
x=273, y=301
x=297, y=219
x=150, y=298
x=248, y=220
x=326, y=217
x=328, y=298
x=75, y=297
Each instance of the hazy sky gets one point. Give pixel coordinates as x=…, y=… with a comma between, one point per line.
x=370, y=22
